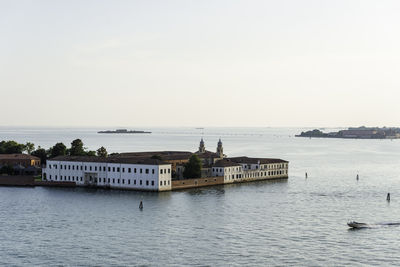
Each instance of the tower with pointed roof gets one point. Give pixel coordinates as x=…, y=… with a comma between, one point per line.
x=220, y=149
x=202, y=148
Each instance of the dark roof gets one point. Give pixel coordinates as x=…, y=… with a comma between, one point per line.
x=144, y=161
x=18, y=156
x=165, y=155
x=207, y=154
x=247, y=160
x=225, y=163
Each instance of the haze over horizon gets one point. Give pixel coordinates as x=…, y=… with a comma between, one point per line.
x=200, y=63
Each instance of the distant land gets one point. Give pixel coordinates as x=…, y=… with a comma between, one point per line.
x=357, y=133
x=123, y=131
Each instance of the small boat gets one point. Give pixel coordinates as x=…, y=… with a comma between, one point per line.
x=355, y=224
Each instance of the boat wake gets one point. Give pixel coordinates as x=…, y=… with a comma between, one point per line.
x=358, y=225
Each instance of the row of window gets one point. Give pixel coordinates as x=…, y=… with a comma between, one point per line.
x=109, y=180
x=113, y=169
x=227, y=169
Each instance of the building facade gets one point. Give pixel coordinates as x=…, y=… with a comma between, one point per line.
x=151, y=175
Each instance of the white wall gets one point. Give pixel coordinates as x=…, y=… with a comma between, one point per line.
x=113, y=175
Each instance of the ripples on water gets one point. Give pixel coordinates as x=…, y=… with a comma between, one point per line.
x=298, y=222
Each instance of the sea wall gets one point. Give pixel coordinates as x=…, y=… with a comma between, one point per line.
x=197, y=182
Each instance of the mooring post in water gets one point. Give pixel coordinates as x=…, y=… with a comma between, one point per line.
x=141, y=205
x=357, y=177
x=388, y=197
x=306, y=175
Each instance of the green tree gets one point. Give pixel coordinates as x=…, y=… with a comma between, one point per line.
x=77, y=148
x=58, y=149
x=29, y=147
x=102, y=152
x=193, y=167
x=40, y=153
x=91, y=153
x=11, y=147
x=156, y=157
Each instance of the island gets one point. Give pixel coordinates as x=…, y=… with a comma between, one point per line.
x=123, y=131
x=357, y=133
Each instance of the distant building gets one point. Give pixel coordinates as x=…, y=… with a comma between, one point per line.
x=24, y=160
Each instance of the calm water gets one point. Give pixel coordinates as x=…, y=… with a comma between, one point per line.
x=298, y=222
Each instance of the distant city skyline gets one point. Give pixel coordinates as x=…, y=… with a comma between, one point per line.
x=200, y=63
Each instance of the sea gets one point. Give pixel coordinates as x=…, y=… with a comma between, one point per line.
x=295, y=222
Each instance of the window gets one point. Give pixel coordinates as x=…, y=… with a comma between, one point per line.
x=90, y=168
x=109, y=169
x=118, y=180
x=160, y=171
x=85, y=168
x=104, y=180
x=152, y=183
x=108, y=180
x=56, y=177
x=81, y=167
x=165, y=182
x=134, y=181
x=104, y=169
x=147, y=171
x=129, y=170
x=60, y=167
x=152, y=171
x=129, y=181
x=95, y=168
x=169, y=170
x=95, y=179
x=69, y=167
x=160, y=183
x=73, y=167
x=118, y=169
x=134, y=170
x=123, y=169
x=113, y=180
x=113, y=169
x=140, y=182
x=123, y=181
x=141, y=170
x=147, y=182
x=168, y=182
x=50, y=176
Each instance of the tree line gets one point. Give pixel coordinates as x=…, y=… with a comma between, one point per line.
x=76, y=149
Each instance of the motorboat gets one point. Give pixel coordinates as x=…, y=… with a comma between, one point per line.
x=355, y=224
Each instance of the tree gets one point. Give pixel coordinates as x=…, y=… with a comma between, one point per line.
x=91, y=153
x=40, y=153
x=102, y=152
x=156, y=157
x=11, y=147
x=193, y=167
x=77, y=148
x=29, y=147
x=58, y=149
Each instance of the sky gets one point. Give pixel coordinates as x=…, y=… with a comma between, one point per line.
x=284, y=63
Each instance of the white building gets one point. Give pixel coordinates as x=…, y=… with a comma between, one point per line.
x=119, y=173
x=242, y=169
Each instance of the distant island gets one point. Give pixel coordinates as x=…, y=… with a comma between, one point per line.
x=123, y=131
x=357, y=133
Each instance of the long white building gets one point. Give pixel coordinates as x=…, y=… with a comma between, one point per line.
x=121, y=173
x=241, y=169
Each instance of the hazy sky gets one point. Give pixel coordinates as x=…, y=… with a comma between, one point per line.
x=200, y=63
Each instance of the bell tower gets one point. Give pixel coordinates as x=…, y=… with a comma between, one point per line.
x=202, y=148
x=220, y=149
